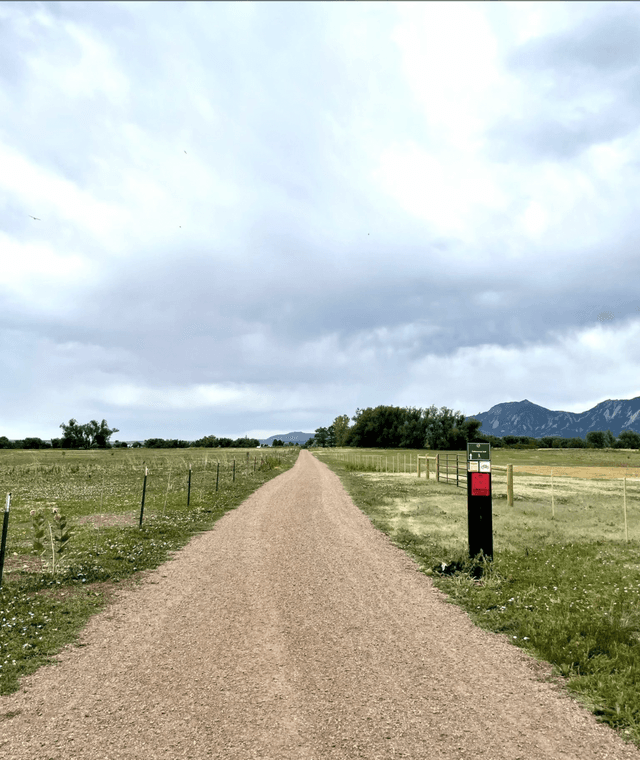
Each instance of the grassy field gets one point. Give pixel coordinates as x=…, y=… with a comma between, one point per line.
x=43, y=608
x=564, y=583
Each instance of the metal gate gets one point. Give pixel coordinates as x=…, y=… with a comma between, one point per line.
x=452, y=468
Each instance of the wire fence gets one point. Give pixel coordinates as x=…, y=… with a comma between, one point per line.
x=98, y=490
x=568, y=485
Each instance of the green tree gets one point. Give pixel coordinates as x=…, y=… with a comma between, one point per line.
x=207, y=442
x=277, y=442
x=99, y=433
x=629, y=439
x=92, y=434
x=412, y=429
x=377, y=427
x=341, y=429
x=409, y=427
x=463, y=434
x=35, y=443
x=595, y=439
x=440, y=427
x=156, y=443
x=246, y=443
x=73, y=435
x=321, y=437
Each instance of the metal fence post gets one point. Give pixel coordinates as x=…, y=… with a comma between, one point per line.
x=144, y=491
x=5, y=527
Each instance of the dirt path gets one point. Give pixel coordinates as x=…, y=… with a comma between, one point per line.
x=294, y=629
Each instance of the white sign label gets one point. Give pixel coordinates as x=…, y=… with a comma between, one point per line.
x=485, y=466
x=473, y=466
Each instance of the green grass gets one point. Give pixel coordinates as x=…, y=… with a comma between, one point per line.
x=502, y=457
x=567, y=589
x=41, y=612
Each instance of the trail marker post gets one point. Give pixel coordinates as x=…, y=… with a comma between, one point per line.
x=479, y=510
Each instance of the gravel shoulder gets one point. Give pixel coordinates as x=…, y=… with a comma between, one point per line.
x=294, y=629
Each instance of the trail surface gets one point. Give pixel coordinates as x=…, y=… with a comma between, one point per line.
x=294, y=629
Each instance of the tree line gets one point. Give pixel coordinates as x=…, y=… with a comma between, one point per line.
x=387, y=427
x=391, y=427
x=97, y=435
x=207, y=442
x=90, y=435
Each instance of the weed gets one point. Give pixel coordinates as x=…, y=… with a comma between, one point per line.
x=59, y=535
x=360, y=467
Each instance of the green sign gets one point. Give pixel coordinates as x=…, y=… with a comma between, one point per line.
x=477, y=451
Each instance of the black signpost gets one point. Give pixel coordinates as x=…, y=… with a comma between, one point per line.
x=479, y=512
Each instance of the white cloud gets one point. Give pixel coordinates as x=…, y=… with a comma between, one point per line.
x=378, y=203
x=450, y=60
x=81, y=66
x=53, y=199
x=36, y=275
x=453, y=192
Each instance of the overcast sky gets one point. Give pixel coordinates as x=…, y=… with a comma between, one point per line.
x=254, y=217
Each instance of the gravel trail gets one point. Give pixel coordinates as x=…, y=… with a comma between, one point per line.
x=294, y=629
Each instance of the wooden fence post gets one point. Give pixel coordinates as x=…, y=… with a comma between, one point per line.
x=624, y=487
x=438, y=468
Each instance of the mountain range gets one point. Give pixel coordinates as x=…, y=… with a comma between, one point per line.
x=526, y=418
x=298, y=437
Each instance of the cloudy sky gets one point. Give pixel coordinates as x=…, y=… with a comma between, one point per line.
x=254, y=217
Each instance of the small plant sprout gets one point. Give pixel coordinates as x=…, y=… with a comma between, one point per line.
x=62, y=534
x=59, y=535
x=37, y=520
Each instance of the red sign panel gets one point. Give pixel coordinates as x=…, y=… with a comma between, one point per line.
x=480, y=484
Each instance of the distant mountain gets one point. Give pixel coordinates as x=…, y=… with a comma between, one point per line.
x=525, y=418
x=298, y=437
